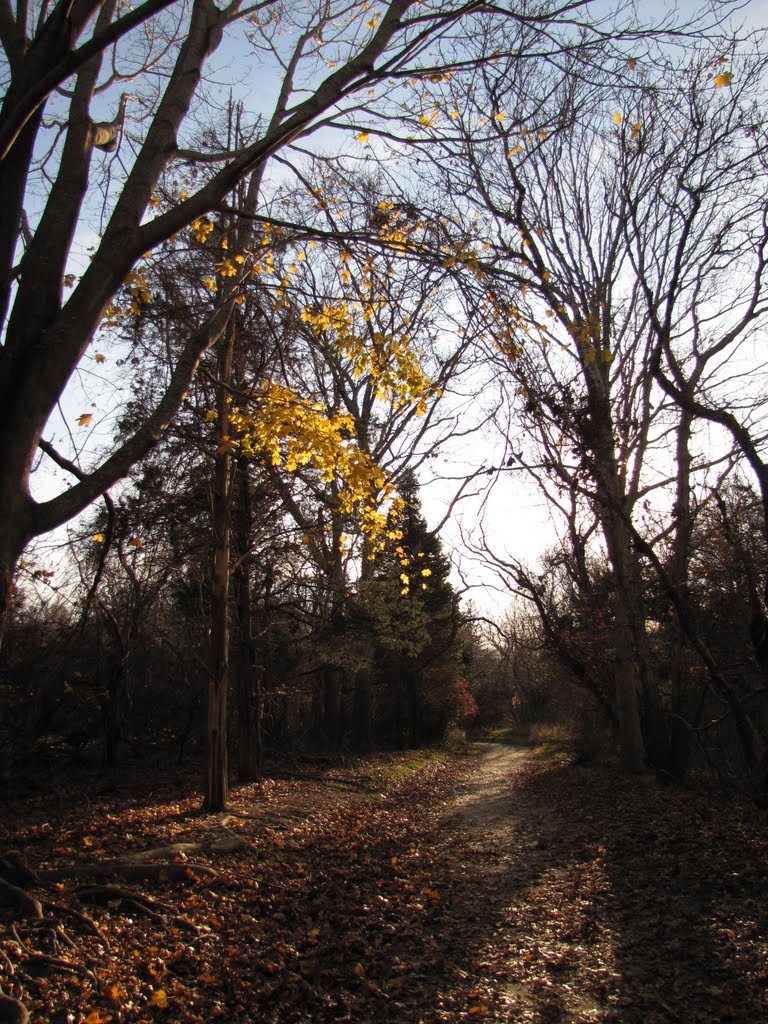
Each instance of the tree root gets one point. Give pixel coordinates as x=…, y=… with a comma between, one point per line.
x=113, y=893
x=12, y=1011
x=53, y=962
x=12, y=896
x=167, y=872
x=86, y=921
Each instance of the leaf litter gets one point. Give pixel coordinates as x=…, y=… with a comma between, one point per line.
x=494, y=886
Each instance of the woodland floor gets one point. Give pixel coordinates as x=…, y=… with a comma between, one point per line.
x=499, y=885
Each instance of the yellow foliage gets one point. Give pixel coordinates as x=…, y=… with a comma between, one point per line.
x=201, y=228
x=226, y=268
x=138, y=289
x=285, y=429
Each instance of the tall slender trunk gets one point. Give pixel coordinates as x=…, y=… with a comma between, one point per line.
x=217, y=766
x=249, y=671
x=680, y=680
x=332, y=718
x=361, y=711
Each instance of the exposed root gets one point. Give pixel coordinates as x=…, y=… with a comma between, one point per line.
x=12, y=1011
x=13, y=896
x=135, y=900
x=167, y=872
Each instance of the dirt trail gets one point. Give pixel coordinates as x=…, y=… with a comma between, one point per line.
x=528, y=909
x=591, y=897
x=488, y=797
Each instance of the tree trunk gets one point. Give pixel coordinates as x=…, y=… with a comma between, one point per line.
x=14, y=512
x=628, y=612
x=332, y=725
x=249, y=671
x=217, y=770
x=113, y=715
x=627, y=693
x=680, y=677
x=361, y=713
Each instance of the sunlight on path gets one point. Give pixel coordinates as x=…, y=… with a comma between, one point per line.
x=533, y=908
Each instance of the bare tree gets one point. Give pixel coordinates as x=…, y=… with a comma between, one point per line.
x=605, y=213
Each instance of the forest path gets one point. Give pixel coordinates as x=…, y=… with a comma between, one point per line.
x=501, y=885
x=591, y=897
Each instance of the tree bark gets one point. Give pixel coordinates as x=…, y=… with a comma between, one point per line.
x=217, y=766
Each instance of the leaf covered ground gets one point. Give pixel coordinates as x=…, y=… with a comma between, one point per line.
x=497, y=885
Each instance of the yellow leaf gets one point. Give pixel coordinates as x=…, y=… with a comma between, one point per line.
x=98, y=538
x=99, y=358
x=96, y=1017
x=159, y=998
x=362, y=137
x=88, y=840
x=723, y=79
x=426, y=572
x=454, y=114
x=211, y=416
x=84, y=419
x=498, y=116
x=617, y=118
x=373, y=22
x=404, y=579
x=631, y=63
